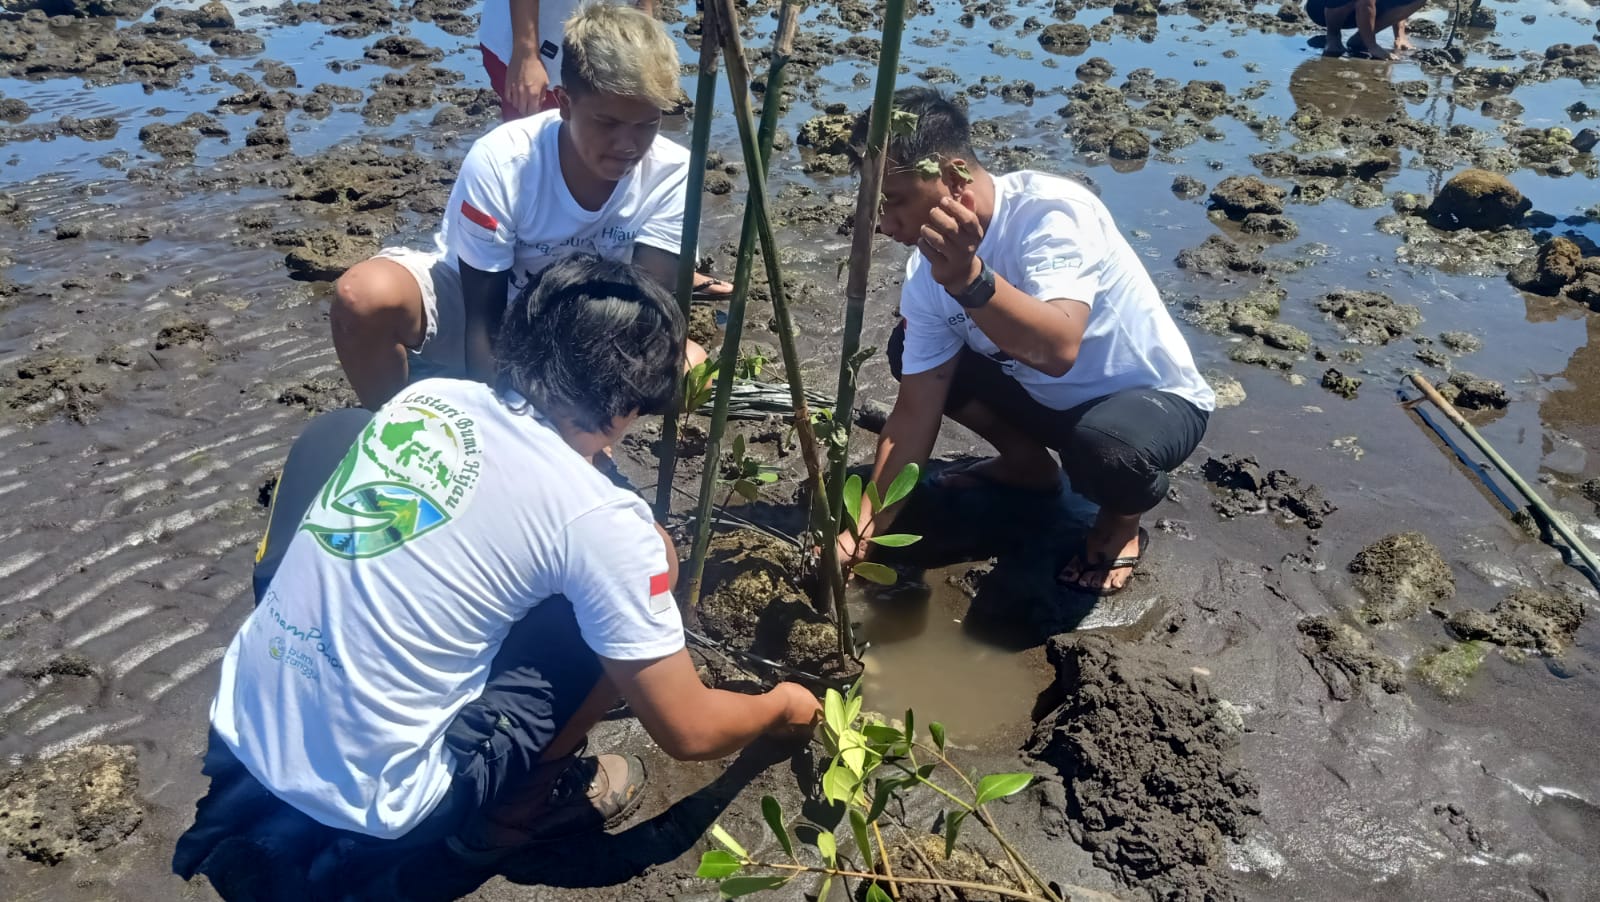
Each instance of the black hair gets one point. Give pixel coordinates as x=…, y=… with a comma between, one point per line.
x=942, y=130
x=590, y=340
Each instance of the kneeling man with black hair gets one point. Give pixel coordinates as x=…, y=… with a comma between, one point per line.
x=462, y=600
x=1028, y=319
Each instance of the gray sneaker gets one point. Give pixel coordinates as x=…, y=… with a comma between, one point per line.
x=586, y=794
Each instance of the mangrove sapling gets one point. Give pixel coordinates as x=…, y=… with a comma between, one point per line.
x=854, y=491
x=745, y=474
x=873, y=764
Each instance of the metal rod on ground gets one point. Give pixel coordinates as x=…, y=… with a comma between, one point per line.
x=1558, y=524
x=1413, y=404
x=727, y=30
x=866, y=227
x=704, y=99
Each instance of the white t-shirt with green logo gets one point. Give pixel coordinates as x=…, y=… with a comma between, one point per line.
x=453, y=515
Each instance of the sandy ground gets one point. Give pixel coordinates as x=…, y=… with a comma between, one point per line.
x=167, y=172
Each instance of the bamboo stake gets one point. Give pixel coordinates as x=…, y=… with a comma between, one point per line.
x=1557, y=523
x=866, y=228
x=756, y=151
x=704, y=99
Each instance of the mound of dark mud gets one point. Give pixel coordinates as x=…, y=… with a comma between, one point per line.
x=1217, y=256
x=1560, y=270
x=1339, y=383
x=1238, y=196
x=79, y=802
x=1470, y=392
x=318, y=395
x=753, y=602
x=1369, y=317
x=52, y=384
x=1345, y=659
x=1542, y=621
x=1400, y=575
x=1150, y=763
x=1250, y=490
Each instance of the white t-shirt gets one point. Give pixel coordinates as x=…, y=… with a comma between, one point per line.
x=1052, y=238
x=454, y=514
x=510, y=208
x=494, y=31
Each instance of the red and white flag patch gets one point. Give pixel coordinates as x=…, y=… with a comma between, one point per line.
x=660, y=593
x=479, y=218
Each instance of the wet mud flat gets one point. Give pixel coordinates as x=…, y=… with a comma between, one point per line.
x=1343, y=673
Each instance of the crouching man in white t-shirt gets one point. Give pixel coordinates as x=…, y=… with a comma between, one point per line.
x=463, y=599
x=594, y=175
x=1028, y=319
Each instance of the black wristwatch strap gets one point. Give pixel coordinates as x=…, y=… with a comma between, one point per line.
x=980, y=291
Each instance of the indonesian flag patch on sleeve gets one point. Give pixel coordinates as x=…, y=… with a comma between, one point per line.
x=660, y=593
x=486, y=226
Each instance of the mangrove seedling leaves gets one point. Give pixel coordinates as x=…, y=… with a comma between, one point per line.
x=936, y=730
x=874, y=497
x=825, y=887
x=952, y=829
x=858, y=828
x=773, y=812
x=998, y=786
x=717, y=864
x=928, y=168
x=902, y=122
x=829, y=849
x=747, y=489
x=877, y=573
x=962, y=172
x=895, y=540
x=734, y=887
x=875, y=893
x=903, y=484
x=838, y=784
x=727, y=840
x=833, y=712
x=852, y=500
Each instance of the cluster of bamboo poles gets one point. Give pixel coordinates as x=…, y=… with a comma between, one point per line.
x=720, y=39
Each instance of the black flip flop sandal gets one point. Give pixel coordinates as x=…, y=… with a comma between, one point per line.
x=1130, y=562
x=702, y=290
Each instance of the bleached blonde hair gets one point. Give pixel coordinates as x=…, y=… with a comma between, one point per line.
x=614, y=49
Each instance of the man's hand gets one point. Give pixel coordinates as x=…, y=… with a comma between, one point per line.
x=950, y=242
x=851, y=550
x=526, y=79
x=800, y=713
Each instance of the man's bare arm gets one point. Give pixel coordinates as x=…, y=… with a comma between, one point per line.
x=483, y=297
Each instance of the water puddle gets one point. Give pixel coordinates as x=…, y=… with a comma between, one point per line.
x=922, y=657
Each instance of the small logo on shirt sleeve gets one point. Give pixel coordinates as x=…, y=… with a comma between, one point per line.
x=660, y=593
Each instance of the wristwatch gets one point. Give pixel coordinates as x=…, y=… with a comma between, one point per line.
x=979, y=292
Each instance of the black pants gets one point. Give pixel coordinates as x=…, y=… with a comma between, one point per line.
x=1318, y=9
x=542, y=673
x=1117, y=450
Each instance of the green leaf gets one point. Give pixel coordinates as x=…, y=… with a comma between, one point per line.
x=838, y=784
x=717, y=864
x=874, y=497
x=876, y=894
x=773, y=812
x=902, y=122
x=881, y=794
x=852, y=706
x=852, y=499
x=881, y=735
x=962, y=172
x=825, y=887
x=767, y=475
x=928, y=168
x=853, y=752
x=877, y=573
x=858, y=827
x=738, y=448
x=998, y=786
x=734, y=887
x=936, y=729
x=903, y=484
x=895, y=540
x=829, y=849
x=911, y=725
x=747, y=490
x=833, y=712
x=727, y=840
x=952, y=828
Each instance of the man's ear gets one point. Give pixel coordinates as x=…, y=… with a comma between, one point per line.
x=563, y=102
x=957, y=176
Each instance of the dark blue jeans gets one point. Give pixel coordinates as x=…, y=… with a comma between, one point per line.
x=1117, y=449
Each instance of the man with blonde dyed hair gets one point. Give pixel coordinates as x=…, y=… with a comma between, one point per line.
x=593, y=175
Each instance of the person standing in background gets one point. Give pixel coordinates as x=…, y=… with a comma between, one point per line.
x=521, y=44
